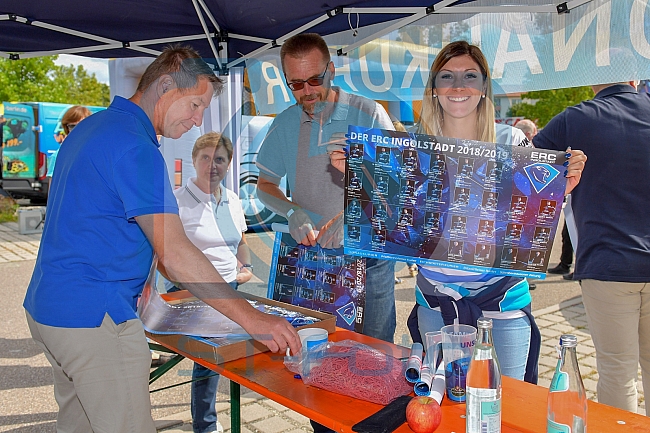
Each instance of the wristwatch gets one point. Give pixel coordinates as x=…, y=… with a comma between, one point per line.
x=291, y=211
x=247, y=265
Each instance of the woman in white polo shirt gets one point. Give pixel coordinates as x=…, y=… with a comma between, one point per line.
x=214, y=222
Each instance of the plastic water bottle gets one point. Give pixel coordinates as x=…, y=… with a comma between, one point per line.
x=567, y=400
x=484, y=384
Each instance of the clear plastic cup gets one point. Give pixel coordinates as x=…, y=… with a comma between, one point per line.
x=457, y=346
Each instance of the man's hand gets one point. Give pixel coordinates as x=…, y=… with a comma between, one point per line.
x=244, y=276
x=574, y=169
x=331, y=234
x=301, y=228
x=181, y=261
x=336, y=150
x=274, y=332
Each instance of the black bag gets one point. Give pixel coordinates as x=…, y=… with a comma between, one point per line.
x=387, y=419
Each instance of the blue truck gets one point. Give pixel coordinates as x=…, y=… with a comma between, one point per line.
x=29, y=138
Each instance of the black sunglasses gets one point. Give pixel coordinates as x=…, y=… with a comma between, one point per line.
x=71, y=126
x=315, y=81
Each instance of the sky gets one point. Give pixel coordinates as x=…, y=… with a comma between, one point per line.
x=97, y=66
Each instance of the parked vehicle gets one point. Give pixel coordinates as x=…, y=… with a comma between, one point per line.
x=31, y=134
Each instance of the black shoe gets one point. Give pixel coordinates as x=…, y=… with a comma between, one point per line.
x=568, y=276
x=559, y=269
x=532, y=286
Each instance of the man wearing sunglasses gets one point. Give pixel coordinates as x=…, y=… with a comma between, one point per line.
x=296, y=147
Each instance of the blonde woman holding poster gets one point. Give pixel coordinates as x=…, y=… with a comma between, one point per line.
x=457, y=103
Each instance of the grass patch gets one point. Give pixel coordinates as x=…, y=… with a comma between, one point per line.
x=8, y=208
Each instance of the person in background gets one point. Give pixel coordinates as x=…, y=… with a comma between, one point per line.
x=457, y=103
x=110, y=210
x=214, y=222
x=297, y=147
x=566, y=257
x=69, y=121
x=529, y=128
x=611, y=207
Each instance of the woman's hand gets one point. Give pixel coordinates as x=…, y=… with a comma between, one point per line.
x=575, y=166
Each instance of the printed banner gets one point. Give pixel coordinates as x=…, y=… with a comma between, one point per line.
x=601, y=41
x=320, y=279
x=452, y=203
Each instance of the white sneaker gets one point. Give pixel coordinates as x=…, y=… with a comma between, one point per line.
x=219, y=428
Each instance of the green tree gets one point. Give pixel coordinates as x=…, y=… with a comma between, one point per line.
x=40, y=80
x=86, y=90
x=549, y=103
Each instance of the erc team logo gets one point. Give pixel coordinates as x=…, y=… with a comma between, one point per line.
x=541, y=175
x=348, y=312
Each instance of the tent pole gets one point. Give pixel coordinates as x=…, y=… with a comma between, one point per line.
x=207, y=33
x=281, y=39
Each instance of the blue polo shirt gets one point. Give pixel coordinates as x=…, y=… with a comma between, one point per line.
x=94, y=258
x=611, y=203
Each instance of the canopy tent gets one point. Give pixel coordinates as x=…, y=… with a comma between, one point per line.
x=223, y=30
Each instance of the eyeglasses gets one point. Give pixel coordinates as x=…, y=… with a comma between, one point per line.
x=71, y=126
x=314, y=82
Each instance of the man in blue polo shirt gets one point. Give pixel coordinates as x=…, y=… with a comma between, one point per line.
x=611, y=206
x=110, y=208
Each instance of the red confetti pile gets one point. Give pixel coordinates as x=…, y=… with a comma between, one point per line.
x=361, y=372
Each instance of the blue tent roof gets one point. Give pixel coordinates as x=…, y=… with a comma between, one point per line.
x=127, y=28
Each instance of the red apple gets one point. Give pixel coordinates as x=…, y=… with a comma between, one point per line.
x=423, y=414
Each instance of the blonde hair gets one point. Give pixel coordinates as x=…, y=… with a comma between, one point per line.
x=432, y=116
x=212, y=139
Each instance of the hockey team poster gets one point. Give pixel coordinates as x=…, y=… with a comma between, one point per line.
x=452, y=203
x=320, y=279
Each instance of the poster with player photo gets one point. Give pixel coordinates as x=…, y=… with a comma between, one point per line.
x=498, y=203
x=320, y=279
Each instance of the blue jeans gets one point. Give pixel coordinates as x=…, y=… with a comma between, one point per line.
x=511, y=339
x=379, y=315
x=204, y=393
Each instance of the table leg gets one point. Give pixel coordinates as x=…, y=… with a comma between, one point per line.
x=235, y=412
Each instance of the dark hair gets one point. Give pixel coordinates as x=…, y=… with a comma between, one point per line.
x=74, y=114
x=184, y=65
x=302, y=44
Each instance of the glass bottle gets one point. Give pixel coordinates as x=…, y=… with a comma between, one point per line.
x=483, y=398
x=567, y=400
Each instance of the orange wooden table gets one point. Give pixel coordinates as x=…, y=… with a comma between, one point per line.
x=524, y=405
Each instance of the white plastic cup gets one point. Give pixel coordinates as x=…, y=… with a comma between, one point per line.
x=312, y=337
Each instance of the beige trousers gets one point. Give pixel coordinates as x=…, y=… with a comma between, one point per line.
x=619, y=321
x=101, y=376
